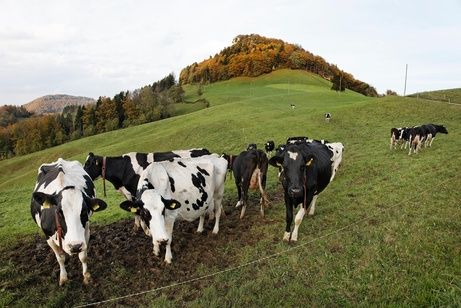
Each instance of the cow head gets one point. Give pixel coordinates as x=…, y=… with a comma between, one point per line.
x=150, y=206
x=71, y=209
x=269, y=146
x=252, y=146
x=93, y=165
x=293, y=163
x=442, y=129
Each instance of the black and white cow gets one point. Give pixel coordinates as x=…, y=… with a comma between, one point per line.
x=124, y=171
x=431, y=131
x=250, y=171
x=184, y=189
x=417, y=135
x=61, y=205
x=327, y=116
x=307, y=171
x=269, y=146
x=337, y=149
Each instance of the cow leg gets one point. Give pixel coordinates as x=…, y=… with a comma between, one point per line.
x=262, y=184
x=218, y=208
x=156, y=249
x=169, y=231
x=289, y=219
x=312, y=206
x=61, y=259
x=245, y=186
x=298, y=219
x=200, y=224
x=83, y=259
x=432, y=140
x=239, y=193
x=137, y=222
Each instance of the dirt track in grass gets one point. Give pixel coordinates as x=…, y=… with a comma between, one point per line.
x=121, y=261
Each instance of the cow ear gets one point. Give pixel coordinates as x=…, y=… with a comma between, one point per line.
x=171, y=204
x=275, y=161
x=97, y=204
x=45, y=200
x=131, y=206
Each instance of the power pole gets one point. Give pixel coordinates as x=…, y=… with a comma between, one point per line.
x=405, y=88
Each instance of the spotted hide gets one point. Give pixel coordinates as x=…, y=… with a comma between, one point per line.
x=184, y=189
x=307, y=171
x=61, y=205
x=124, y=171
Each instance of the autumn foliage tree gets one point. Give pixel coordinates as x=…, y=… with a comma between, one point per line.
x=253, y=55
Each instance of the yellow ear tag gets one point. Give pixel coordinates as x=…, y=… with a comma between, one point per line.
x=309, y=162
x=173, y=205
x=133, y=210
x=95, y=207
x=46, y=205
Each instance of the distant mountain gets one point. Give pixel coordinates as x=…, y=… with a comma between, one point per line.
x=253, y=55
x=56, y=103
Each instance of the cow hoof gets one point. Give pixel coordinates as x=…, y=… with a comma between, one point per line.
x=135, y=228
x=86, y=278
x=215, y=230
x=286, y=236
x=62, y=280
x=168, y=261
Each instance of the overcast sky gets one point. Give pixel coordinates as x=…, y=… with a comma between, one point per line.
x=95, y=48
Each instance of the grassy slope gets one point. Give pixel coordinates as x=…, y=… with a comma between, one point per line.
x=405, y=247
x=452, y=95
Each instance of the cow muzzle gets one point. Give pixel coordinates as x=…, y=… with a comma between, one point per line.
x=295, y=192
x=75, y=248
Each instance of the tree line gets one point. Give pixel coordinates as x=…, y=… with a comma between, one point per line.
x=21, y=132
x=253, y=55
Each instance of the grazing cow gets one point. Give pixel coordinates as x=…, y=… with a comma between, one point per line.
x=293, y=106
x=327, y=117
x=250, y=171
x=61, y=205
x=269, y=146
x=124, y=171
x=431, y=131
x=184, y=189
x=306, y=173
x=252, y=146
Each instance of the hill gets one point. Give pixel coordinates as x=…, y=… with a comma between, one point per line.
x=385, y=232
x=254, y=55
x=56, y=103
x=449, y=95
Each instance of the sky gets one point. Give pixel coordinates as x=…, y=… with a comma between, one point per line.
x=99, y=48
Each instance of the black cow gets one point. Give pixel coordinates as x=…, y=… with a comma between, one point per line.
x=307, y=171
x=431, y=131
x=250, y=171
x=124, y=171
x=252, y=146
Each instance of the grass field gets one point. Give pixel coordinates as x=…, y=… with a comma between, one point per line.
x=387, y=230
x=450, y=95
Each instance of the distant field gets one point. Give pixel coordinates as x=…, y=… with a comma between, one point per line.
x=387, y=230
x=451, y=95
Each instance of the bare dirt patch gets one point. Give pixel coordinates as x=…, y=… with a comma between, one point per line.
x=121, y=261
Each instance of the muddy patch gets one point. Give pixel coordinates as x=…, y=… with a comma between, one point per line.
x=121, y=262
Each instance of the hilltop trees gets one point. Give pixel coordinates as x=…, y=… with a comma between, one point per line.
x=149, y=103
x=253, y=55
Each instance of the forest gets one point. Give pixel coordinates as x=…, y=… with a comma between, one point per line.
x=253, y=55
x=21, y=132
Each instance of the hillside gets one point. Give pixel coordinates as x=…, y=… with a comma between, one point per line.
x=449, y=95
x=56, y=103
x=385, y=232
x=254, y=55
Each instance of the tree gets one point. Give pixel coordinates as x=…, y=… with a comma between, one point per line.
x=338, y=84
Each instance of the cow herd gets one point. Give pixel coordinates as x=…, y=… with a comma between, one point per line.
x=415, y=137
x=165, y=187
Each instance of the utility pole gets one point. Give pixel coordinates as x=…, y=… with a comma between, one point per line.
x=405, y=88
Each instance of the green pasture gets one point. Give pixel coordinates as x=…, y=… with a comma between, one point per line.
x=387, y=230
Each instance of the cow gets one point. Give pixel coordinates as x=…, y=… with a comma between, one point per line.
x=252, y=146
x=293, y=106
x=269, y=146
x=337, y=150
x=327, y=117
x=250, y=171
x=124, y=171
x=183, y=189
x=417, y=135
x=62, y=202
x=431, y=131
x=307, y=172
x=399, y=135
